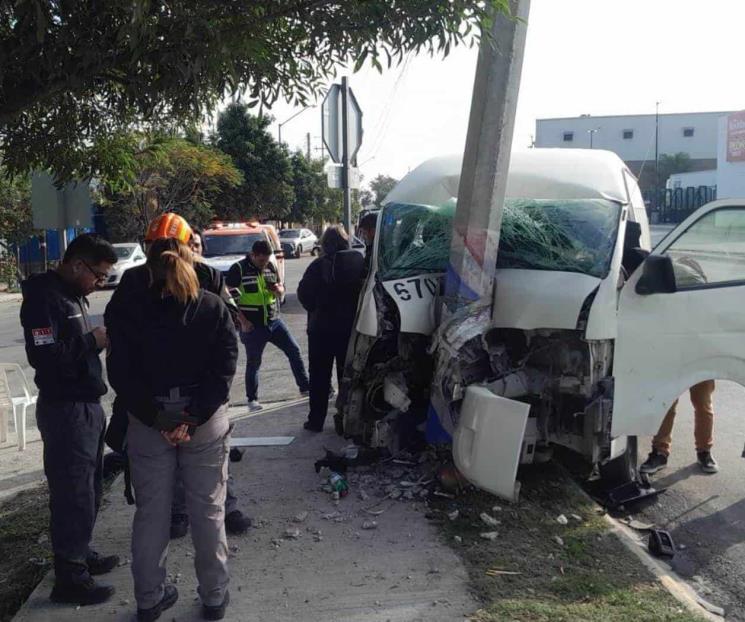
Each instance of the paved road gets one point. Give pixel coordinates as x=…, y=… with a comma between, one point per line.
x=274, y=386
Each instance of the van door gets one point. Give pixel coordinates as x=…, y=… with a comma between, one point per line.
x=680, y=318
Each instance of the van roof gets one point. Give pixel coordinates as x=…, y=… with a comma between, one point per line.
x=533, y=174
x=233, y=228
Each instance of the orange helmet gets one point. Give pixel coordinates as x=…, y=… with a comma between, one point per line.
x=169, y=225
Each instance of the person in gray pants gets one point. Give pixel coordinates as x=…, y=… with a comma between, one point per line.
x=172, y=360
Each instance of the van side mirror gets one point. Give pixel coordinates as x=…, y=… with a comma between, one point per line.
x=658, y=276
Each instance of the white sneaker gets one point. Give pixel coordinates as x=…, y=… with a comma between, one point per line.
x=254, y=406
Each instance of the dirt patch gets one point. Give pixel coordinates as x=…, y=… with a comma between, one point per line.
x=25, y=553
x=567, y=565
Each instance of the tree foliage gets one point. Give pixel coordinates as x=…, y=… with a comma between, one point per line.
x=74, y=72
x=313, y=200
x=380, y=186
x=16, y=220
x=166, y=175
x=267, y=187
x=670, y=164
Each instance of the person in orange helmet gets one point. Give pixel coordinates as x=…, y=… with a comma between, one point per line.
x=133, y=286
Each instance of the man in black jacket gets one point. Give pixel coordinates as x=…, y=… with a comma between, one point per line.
x=329, y=291
x=63, y=347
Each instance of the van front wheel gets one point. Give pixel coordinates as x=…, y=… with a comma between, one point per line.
x=623, y=469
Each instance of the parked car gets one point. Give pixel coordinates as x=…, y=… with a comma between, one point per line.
x=227, y=243
x=580, y=348
x=130, y=254
x=357, y=245
x=295, y=242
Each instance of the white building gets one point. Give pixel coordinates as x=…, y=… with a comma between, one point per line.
x=632, y=137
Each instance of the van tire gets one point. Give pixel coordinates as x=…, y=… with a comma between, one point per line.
x=623, y=469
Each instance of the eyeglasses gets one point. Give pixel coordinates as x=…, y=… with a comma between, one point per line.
x=100, y=276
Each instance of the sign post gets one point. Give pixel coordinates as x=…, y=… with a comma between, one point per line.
x=341, y=122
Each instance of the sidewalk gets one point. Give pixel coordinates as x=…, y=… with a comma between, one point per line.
x=400, y=571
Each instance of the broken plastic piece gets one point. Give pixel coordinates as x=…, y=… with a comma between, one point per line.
x=630, y=492
x=661, y=543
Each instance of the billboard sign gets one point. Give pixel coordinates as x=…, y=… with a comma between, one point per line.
x=736, y=137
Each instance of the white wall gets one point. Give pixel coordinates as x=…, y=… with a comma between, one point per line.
x=609, y=134
x=730, y=175
x=696, y=179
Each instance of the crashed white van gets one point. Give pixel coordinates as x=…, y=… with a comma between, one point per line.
x=587, y=343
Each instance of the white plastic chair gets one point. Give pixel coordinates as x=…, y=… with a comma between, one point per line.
x=10, y=400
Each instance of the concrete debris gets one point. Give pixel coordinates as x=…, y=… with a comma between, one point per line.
x=458, y=539
x=576, y=517
x=300, y=517
x=489, y=535
x=559, y=540
x=562, y=520
x=406, y=484
x=496, y=508
x=369, y=524
x=454, y=514
x=363, y=495
x=374, y=512
x=444, y=495
x=710, y=607
x=489, y=520
x=332, y=516
x=293, y=533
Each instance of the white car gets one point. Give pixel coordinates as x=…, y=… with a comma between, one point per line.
x=130, y=254
x=295, y=242
x=588, y=341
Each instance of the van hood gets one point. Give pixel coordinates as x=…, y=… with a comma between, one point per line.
x=223, y=263
x=534, y=299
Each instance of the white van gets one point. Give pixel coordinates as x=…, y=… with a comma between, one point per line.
x=586, y=344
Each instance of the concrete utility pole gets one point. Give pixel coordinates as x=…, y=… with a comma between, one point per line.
x=483, y=179
x=307, y=143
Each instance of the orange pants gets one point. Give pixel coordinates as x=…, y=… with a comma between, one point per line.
x=703, y=430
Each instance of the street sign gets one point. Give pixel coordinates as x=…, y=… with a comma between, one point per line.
x=335, y=180
x=63, y=208
x=332, y=121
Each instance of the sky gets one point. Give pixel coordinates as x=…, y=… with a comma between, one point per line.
x=597, y=57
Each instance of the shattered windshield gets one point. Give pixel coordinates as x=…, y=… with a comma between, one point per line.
x=570, y=236
x=414, y=239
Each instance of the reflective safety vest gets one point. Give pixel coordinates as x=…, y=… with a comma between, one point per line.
x=254, y=298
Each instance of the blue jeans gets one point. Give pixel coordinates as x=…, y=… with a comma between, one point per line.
x=277, y=333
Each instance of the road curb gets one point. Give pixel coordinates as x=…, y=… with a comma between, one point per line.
x=668, y=578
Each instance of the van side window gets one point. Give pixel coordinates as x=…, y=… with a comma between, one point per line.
x=711, y=251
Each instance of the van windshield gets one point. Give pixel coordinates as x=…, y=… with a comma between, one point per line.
x=569, y=236
x=239, y=244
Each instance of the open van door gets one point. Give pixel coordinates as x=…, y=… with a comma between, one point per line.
x=681, y=318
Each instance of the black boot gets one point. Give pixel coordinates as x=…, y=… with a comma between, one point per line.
x=216, y=612
x=170, y=596
x=236, y=523
x=179, y=525
x=74, y=585
x=101, y=564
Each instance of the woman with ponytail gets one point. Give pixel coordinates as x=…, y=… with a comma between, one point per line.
x=171, y=362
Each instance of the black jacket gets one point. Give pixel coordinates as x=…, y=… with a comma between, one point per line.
x=136, y=281
x=59, y=342
x=329, y=291
x=158, y=344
